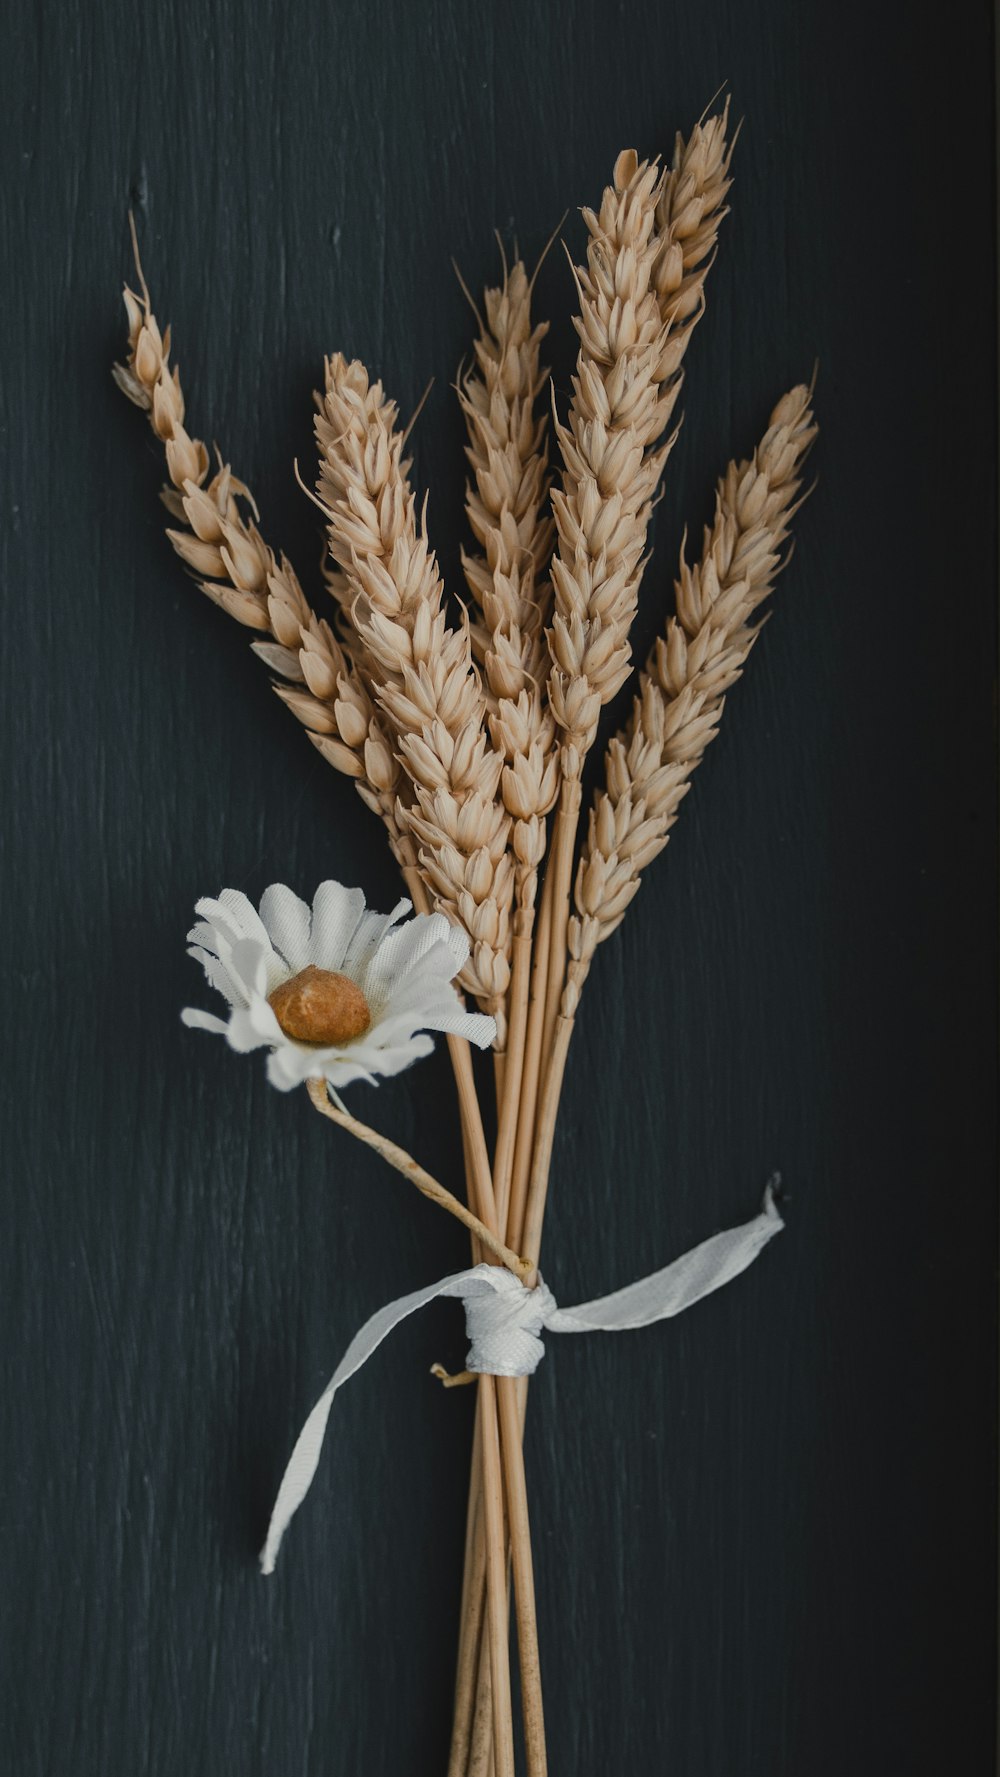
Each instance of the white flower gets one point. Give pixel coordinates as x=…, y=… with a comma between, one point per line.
x=334, y=992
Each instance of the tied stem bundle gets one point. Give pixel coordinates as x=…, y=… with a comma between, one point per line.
x=465, y=728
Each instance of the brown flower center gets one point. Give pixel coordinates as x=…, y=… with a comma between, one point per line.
x=320, y=1006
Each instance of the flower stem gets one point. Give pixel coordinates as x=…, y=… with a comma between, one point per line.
x=534, y=1212
x=410, y=1169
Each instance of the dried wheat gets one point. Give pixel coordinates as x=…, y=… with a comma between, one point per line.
x=689, y=211
x=506, y=508
x=678, y=709
x=239, y=571
x=641, y=294
x=421, y=671
x=610, y=468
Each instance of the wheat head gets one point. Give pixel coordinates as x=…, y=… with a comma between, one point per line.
x=641, y=294
x=676, y=714
x=237, y=569
x=507, y=513
x=420, y=670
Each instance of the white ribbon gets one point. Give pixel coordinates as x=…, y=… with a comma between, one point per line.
x=504, y=1322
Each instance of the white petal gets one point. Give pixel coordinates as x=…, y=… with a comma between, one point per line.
x=336, y=913
x=369, y=932
x=412, y=1012
x=264, y=1022
x=215, y=929
x=232, y=910
x=289, y=923
x=218, y=975
x=400, y=951
x=475, y=1027
x=453, y=1019
x=394, y=1058
x=428, y=982
x=283, y=1069
x=198, y=1020
x=207, y=936
x=257, y=966
x=243, y=1035
x=343, y=1071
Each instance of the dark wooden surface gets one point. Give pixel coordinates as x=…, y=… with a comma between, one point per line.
x=765, y=1534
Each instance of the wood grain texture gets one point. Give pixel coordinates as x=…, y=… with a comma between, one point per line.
x=764, y=1534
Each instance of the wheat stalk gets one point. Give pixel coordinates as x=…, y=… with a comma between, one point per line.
x=610, y=470
x=504, y=505
x=506, y=510
x=641, y=294
x=239, y=571
x=677, y=712
x=421, y=672
x=505, y=499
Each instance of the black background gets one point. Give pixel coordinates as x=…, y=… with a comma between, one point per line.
x=764, y=1534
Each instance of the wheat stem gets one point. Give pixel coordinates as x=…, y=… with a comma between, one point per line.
x=548, y=1106
x=503, y=1163
x=532, y=1059
x=561, y=871
x=524, y=1582
x=471, y=1652
x=497, y=1605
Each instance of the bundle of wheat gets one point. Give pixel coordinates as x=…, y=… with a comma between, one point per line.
x=464, y=732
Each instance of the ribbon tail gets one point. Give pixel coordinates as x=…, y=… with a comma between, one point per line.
x=679, y=1285
x=304, y=1460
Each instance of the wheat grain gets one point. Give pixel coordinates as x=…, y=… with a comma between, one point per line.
x=677, y=712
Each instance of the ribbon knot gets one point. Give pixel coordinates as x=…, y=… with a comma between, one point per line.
x=504, y=1322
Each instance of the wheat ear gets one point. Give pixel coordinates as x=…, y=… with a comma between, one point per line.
x=238, y=570
x=689, y=212
x=677, y=712
x=506, y=509
x=421, y=672
x=641, y=294
x=506, y=498
x=610, y=470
